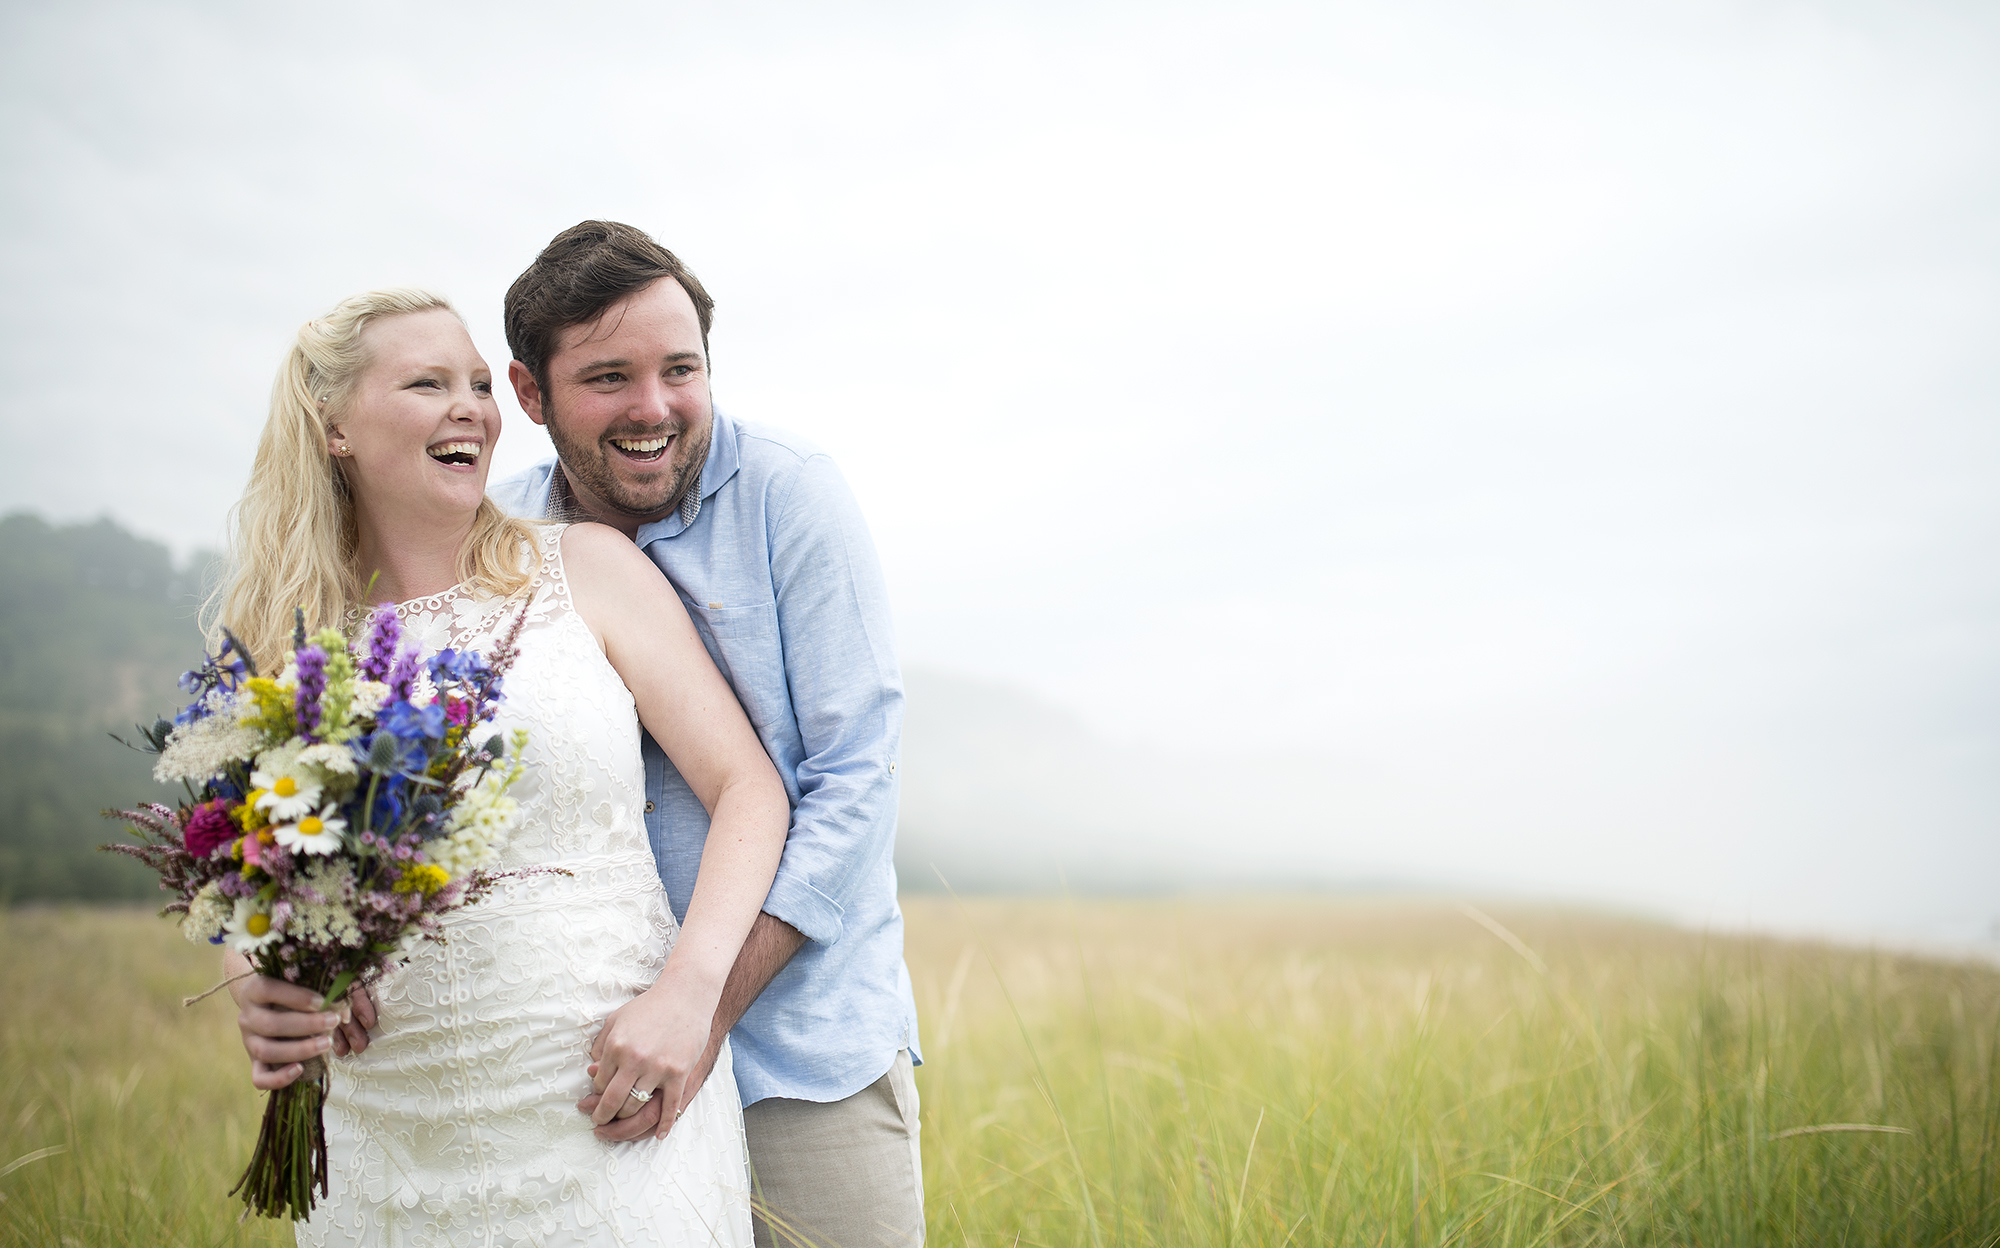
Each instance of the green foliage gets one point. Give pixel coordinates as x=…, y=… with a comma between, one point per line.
x=95, y=627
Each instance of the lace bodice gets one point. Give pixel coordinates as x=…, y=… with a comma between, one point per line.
x=458, y=1125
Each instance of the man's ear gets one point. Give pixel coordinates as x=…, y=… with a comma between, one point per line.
x=526, y=390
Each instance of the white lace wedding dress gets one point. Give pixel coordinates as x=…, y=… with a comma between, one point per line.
x=458, y=1125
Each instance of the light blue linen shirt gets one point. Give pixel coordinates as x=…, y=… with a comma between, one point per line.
x=780, y=577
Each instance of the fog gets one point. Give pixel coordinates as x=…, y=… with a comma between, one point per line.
x=1546, y=449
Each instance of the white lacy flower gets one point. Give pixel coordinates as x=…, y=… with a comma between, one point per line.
x=369, y=695
x=329, y=920
x=479, y=825
x=328, y=759
x=203, y=748
x=206, y=915
x=313, y=834
x=250, y=928
x=291, y=791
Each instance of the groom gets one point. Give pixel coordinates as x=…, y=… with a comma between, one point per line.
x=762, y=540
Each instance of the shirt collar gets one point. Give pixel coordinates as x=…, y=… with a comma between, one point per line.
x=716, y=470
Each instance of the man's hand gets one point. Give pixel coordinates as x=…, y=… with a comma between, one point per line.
x=769, y=946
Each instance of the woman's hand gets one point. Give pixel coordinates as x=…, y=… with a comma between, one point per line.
x=284, y=1025
x=656, y=1041
x=653, y=1042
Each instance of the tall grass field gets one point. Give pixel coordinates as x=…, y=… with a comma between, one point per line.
x=1269, y=1071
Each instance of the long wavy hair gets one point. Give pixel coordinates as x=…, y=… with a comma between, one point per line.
x=292, y=538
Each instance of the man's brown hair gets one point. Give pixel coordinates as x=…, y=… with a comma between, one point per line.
x=584, y=270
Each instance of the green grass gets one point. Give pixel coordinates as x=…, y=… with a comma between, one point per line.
x=1262, y=1072
x=1308, y=1072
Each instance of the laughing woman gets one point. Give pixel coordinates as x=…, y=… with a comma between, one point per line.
x=457, y=1122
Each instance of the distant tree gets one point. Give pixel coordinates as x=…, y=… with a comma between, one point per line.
x=96, y=625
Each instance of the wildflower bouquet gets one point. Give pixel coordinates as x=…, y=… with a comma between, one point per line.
x=335, y=812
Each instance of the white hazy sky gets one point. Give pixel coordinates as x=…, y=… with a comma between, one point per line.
x=1568, y=427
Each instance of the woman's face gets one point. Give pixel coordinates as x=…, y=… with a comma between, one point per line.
x=416, y=438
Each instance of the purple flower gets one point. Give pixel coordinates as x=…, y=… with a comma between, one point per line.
x=384, y=645
x=403, y=677
x=312, y=684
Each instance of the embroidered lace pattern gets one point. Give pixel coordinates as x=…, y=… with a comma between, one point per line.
x=459, y=1126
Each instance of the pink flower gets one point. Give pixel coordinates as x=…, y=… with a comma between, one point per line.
x=209, y=828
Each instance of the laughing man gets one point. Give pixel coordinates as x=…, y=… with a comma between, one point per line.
x=762, y=540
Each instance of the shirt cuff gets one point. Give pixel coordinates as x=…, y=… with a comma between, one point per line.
x=817, y=916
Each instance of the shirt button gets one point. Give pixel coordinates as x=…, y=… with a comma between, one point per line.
x=649, y=808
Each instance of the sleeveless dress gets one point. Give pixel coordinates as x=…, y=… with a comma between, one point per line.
x=458, y=1125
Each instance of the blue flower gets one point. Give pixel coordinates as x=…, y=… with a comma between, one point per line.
x=388, y=809
x=412, y=723
x=455, y=665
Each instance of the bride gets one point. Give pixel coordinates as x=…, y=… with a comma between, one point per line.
x=456, y=1121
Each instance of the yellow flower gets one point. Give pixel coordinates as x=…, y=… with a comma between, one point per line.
x=268, y=708
x=247, y=815
x=422, y=877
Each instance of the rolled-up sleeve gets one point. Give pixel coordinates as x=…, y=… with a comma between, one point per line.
x=847, y=693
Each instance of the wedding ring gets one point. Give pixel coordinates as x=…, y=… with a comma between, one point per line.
x=641, y=1097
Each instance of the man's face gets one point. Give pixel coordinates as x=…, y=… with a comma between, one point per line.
x=627, y=405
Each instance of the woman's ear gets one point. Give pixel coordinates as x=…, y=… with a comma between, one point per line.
x=336, y=443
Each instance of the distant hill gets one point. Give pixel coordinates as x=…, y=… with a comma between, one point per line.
x=1006, y=792
x=96, y=625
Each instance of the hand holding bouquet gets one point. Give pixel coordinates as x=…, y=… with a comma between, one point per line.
x=335, y=812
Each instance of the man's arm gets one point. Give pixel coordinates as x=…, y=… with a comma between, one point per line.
x=769, y=946
x=846, y=692
x=847, y=695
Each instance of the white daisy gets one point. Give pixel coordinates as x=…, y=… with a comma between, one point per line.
x=250, y=928
x=314, y=834
x=291, y=791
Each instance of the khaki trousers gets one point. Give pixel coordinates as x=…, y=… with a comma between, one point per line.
x=846, y=1174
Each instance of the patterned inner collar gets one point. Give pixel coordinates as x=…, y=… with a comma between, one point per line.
x=563, y=506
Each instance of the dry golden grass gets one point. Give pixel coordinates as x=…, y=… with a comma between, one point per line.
x=1266, y=1071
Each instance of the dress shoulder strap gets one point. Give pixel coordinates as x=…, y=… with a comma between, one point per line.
x=551, y=583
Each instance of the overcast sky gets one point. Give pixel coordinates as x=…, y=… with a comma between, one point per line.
x=1569, y=428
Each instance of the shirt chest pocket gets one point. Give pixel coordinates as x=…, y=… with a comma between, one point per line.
x=728, y=622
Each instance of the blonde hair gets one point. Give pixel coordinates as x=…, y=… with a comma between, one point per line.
x=293, y=540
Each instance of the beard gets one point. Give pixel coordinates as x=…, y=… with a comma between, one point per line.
x=603, y=475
